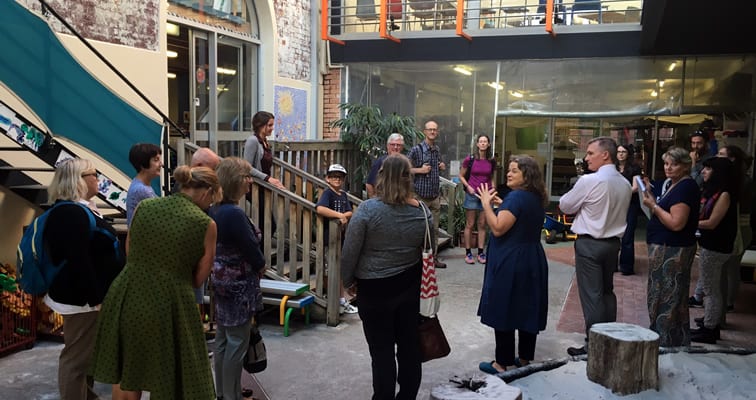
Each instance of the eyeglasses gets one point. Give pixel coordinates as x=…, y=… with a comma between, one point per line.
x=396, y=144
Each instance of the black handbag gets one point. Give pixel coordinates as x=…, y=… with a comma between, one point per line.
x=256, y=359
x=433, y=343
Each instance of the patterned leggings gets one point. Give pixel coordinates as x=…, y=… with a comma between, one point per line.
x=711, y=276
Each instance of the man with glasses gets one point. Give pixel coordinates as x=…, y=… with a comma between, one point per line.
x=426, y=164
x=394, y=145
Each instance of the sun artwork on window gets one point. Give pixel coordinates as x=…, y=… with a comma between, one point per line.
x=291, y=114
x=285, y=103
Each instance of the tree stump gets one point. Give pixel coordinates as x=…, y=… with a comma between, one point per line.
x=477, y=387
x=623, y=357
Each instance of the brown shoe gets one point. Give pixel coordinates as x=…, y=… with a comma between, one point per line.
x=439, y=264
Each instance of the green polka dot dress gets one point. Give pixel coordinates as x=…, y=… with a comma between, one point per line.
x=149, y=333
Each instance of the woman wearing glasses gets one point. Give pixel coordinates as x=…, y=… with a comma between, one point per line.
x=238, y=267
x=629, y=170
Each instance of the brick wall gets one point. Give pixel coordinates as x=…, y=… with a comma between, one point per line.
x=331, y=101
x=294, y=33
x=133, y=23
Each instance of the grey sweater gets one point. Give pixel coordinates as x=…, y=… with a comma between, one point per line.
x=382, y=240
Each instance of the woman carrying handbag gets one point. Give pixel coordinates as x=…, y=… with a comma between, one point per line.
x=386, y=271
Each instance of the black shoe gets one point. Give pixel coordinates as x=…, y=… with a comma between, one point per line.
x=439, y=264
x=730, y=308
x=704, y=335
x=627, y=273
x=577, y=351
x=693, y=302
x=698, y=321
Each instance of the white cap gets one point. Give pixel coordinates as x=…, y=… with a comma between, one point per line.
x=336, y=168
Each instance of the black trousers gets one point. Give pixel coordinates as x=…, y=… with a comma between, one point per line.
x=505, y=346
x=389, y=310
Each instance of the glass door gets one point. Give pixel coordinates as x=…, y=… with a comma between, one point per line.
x=230, y=78
x=200, y=95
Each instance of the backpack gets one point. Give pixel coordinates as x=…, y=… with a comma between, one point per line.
x=36, y=271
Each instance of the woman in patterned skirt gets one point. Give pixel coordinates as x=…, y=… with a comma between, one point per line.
x=671, y=238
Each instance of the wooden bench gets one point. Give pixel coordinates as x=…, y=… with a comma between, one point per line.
x=287, y=296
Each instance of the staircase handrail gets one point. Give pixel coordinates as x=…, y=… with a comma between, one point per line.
x=46, y=8
x=320, y=182
x=38, y=142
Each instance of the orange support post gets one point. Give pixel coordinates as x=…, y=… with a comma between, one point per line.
x=324, y=24
x=550, y=18
x=384, y=23
x=461, y=20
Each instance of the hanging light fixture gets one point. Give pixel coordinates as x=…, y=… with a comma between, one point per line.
x=463, y=70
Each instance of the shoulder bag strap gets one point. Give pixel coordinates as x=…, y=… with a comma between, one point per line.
x=427, y=241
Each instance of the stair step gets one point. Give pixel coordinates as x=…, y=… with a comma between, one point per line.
x=27, y=169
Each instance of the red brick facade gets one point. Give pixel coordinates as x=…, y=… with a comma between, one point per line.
x=331, y=101
x=133, y=23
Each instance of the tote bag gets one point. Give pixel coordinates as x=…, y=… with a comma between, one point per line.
x=429, y=300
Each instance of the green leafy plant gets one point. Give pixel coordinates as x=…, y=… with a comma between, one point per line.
x=367, y=128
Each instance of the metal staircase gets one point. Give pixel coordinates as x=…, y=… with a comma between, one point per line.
x=28, y=156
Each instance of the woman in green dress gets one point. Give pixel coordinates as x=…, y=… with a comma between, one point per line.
x=149, y=336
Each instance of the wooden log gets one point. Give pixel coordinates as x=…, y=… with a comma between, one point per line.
x=623, y=357
x=477, y=387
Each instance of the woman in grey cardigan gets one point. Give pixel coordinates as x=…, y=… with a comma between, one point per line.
x=257, y=150
x=386, y=272
x=258, y=153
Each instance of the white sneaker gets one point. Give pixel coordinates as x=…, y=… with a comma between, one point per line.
x=347, y=309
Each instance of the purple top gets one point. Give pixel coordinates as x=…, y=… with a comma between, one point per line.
x=482, y=172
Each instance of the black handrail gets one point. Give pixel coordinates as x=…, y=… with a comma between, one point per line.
x=46, y=8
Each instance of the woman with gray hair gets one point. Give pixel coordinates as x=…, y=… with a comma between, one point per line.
x=236, y=273
x=386, y=272
x=671, y=238
x=92, y=261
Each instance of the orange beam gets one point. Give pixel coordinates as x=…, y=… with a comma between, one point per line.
x=550, y=17
x=382, y=28
x=461, y=20
x=324, y=24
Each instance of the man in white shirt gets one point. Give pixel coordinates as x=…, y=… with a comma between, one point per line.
x=599, y=202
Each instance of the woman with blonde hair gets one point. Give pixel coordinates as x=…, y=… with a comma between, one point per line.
x=149, y=337
x=238, y=267
x=671, y=238
x=92, y=261
x=386, y=273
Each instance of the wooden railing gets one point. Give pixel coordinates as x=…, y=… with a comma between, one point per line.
x=299, y=251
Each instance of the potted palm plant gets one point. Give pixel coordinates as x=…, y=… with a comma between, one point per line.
x=367, y=128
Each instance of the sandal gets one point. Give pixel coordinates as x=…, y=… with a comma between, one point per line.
x=488, y=367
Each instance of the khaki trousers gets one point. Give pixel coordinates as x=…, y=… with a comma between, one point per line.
x=79, y=332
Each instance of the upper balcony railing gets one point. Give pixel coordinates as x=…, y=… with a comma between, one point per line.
x=354, y=17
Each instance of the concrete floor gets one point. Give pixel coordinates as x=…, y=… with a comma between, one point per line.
x=322, y=362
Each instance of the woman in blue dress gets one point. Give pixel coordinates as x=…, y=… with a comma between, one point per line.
x=514, y=295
